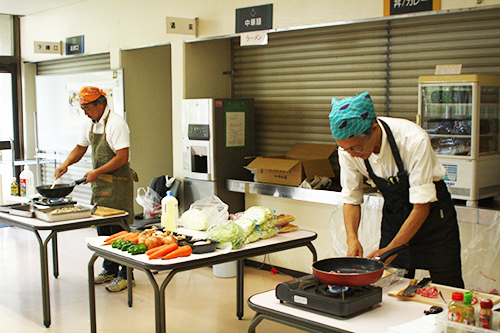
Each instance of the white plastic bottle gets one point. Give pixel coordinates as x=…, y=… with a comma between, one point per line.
x=169, y=212
x=27, y=182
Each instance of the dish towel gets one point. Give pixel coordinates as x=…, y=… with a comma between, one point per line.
x=424, y=324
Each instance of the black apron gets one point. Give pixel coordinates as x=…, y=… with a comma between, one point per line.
x=436, y=245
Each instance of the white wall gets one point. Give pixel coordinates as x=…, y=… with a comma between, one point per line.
x=112, y=25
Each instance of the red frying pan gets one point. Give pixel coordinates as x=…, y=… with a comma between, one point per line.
x=352, y=271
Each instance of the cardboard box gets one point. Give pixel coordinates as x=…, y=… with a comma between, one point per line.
x=303, y=160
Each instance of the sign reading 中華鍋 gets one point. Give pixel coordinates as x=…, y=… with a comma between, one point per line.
x=254, y=18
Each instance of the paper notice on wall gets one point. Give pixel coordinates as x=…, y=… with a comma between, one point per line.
x=235, y=129
x=254, y=38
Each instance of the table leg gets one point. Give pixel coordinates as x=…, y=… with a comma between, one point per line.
x=255, y=321
x=313, y=251
x=160, y=318
x=55, y=258
x=129, y=286
x=93, y=325
x=44, y=268
x=239, y=288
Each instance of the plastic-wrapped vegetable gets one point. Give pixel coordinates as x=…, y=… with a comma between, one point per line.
x=267, y=229
x=227, y=232
x=194, y=219
x=259, y=214
x=253, y=237
x=247, y=225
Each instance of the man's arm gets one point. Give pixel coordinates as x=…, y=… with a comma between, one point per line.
x=75, y=155
x=352, y=218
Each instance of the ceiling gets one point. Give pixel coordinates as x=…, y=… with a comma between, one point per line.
x=28, y=7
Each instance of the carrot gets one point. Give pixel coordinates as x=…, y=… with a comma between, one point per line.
x=121, y=233
x=183, y=251
x=115, y=239
x=130, y=236
x=164, y=251
x=134, y=239
x=154, y=249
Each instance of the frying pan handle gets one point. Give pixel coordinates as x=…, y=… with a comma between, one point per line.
x=383, y=257
x=79, y=181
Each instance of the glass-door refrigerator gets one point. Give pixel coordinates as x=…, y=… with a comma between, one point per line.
x=461, y=114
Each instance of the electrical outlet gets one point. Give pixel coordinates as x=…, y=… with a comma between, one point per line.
x=182, y=26
x=48, y=47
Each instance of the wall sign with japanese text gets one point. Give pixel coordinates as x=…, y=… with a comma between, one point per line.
x=395, y=7
x=74, y=45
x=254, y=18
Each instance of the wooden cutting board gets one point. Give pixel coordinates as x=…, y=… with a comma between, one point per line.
x=446, y=291
x=106, y=211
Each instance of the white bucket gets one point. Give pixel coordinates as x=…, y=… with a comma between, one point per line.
x=225, y=270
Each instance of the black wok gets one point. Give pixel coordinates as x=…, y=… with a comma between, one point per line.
x=352, y=271
x=60, y=190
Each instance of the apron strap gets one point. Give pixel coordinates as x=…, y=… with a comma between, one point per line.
x=397, y=157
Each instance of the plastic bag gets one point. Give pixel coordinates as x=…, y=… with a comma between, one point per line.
x=227, y=232
x=481, y=257
x=369, y=228
x=150, y=201
x=204, y=213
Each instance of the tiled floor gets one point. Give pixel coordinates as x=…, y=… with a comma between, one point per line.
x=196, y=300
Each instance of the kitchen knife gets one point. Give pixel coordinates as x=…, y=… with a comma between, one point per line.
x=411, y=289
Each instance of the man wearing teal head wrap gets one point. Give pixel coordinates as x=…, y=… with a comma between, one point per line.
x=396, y=155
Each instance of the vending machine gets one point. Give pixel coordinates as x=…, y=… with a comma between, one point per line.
x=461, y=113
x=218, y=137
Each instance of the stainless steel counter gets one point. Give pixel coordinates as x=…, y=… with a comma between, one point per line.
x=282, y=191
x=479, y=215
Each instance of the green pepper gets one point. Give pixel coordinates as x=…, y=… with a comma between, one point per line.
x=137, y=249
x=126, y=245
x=117, y=244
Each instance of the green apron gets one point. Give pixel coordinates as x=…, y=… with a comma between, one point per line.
x=116, y=189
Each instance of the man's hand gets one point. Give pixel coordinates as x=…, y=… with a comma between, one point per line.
x=60, y=170
x=354, y=249
x=92, y=176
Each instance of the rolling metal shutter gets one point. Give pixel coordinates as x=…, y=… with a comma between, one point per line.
x=418, y=44
x=81, y=193
x=294, y=77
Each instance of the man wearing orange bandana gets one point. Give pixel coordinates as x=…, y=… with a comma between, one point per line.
x=111, y=178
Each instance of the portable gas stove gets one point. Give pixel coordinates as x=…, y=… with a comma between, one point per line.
x=51, y=202
x=307, y=292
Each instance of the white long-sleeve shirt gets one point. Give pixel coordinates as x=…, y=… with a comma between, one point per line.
x=418, y=157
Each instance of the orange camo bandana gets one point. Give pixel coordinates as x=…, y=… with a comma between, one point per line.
x=89, y=94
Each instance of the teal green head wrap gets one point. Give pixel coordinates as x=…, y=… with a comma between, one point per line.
x=351, y=116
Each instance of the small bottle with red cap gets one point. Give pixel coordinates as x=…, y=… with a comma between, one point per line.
x=456, y=308
x=485, y=314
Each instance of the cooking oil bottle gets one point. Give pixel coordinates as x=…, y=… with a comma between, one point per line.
x=469, y=313
x=456, y=308
x=14, y=188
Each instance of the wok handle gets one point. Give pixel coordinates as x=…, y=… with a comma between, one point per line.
x=79, y=181
x=383, y=257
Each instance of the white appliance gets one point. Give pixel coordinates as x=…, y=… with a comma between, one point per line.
x=217, y=137
x=461, y=113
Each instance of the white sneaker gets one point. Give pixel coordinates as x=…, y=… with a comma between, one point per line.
x=104, y=276
x=118, y=284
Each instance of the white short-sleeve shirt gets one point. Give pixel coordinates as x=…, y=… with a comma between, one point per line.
x=117, y=131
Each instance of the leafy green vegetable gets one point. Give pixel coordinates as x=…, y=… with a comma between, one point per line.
x=227, y=232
